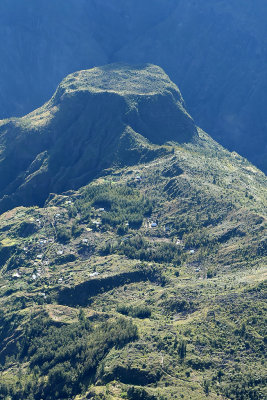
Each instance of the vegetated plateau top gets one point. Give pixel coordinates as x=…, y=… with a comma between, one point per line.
x=124, y=79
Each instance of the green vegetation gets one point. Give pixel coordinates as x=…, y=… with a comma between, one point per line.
x=135, y=312
x=140, y=249
x=147, y=283
x=119, y=205
x=68, y=355
x=139, y=394
x=63, y=234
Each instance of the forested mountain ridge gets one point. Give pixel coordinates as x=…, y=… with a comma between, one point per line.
x=214, y=50
x=147, y=283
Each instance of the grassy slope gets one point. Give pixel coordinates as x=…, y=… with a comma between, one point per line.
x=209, y=300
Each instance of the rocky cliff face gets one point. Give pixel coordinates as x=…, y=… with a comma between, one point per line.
x=97, y=118
x=214, y=50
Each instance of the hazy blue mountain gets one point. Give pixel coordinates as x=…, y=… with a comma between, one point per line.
x=215, y=50
x=42, y=41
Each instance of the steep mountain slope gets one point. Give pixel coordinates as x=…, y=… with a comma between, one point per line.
x=94, y=120
x=215, y=51
x=149, y=282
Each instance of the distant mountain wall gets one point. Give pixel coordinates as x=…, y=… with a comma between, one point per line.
x=215, y=50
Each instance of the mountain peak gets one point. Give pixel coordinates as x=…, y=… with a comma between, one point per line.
x=111, y=115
